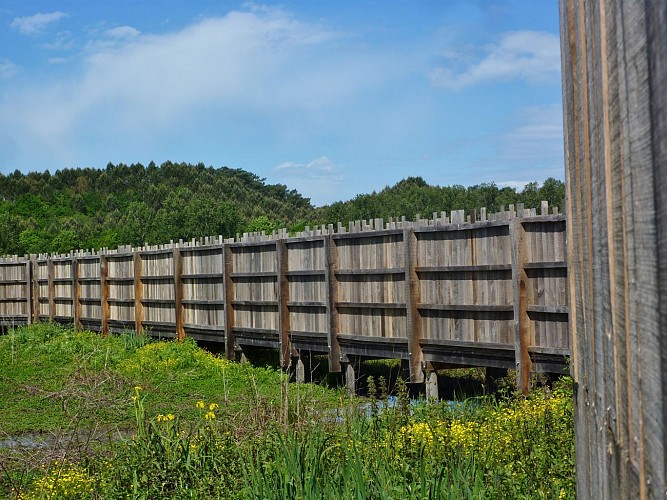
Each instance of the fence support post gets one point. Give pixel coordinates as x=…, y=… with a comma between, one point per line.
x=412, y=299
x=34, y=289
x=284, y=326
x=178, y=292
x=228, y=268
x=138, y=292
x=331, y=285
x=522, y=323
x=52, y=290
x=104, y=294
x=76, y=294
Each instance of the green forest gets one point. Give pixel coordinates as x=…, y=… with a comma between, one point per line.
x=135, y=204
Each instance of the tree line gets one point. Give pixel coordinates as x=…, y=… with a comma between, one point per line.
x=135, y=204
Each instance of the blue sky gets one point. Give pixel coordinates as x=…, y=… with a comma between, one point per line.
x=330, y=98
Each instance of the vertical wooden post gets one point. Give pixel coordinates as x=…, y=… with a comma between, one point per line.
x=138, y=292
x=178, y=292
x=283, y=297
x=331, y=284
x=34, y=289
x=76, y=294
x=28, y=292
x=522, y=322
x=351, y=376
x=228, y=268
x=104, y=294
x=432, y=391
x=52, y=290
x=412, y=299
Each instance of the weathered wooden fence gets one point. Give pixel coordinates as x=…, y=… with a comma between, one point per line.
x=481, y=291
x=615, y=108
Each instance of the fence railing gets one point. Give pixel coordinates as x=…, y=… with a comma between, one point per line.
x=481, y=290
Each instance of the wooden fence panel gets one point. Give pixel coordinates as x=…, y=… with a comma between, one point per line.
x=308, y=293
x=158, y=298
x=254, y=273
x=14, y=292
x=90, y=292
x=63, y=290
x=614, y=60
x=466, y=283
x=204, y=292
x=121, y=291
x=42, y=277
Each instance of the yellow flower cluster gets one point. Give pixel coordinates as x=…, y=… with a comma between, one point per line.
x=210, y=414
x=495, y=435
x=165, y=418
x=64, y=480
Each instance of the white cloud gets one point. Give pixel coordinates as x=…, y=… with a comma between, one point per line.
x=533, y=56
x=63, y=41
x=319, y=179
x=122, y=32
x=31, y=25
x=57, y=60
x=7, y=69
x=318, y=168
x=263, y=63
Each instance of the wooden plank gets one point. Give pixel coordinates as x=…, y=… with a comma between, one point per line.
x=369, y=272
x=371, y=305
x=331, y=285
x=228, y=266
x=521, y=320
x=284, y=318
x=52, y=290
x=104, y=294
x=295, y=303
x=76, y=294
x=467, y=307
x=34, y=291
x=178, y=293
x=412, y=299
x=546, y=265
x=547, y=309
x=258, y=274
x=481, y=268
x=138, y=292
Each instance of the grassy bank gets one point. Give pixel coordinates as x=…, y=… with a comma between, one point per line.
x=123, y=417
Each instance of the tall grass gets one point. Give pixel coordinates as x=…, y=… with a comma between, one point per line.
x=201, y=427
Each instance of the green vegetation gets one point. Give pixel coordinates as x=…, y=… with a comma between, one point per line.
x=126, y=417
x=133, y=205
x=414, y=196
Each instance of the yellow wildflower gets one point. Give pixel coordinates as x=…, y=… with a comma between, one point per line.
x=213, y=406
x=209, y=416
x=200, y=404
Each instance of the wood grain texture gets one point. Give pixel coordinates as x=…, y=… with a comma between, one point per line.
x=614, y=95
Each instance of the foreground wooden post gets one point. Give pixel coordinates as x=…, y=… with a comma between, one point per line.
x=412, y=299
x=34, y=289
x=615, y=115
x=76, y=294
x=283, y=297
x=138, y=292
x=522, y=323
x=52, y=290
x=104, y=294
x=178, y=292
x=228, y=268
x=332, y=297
